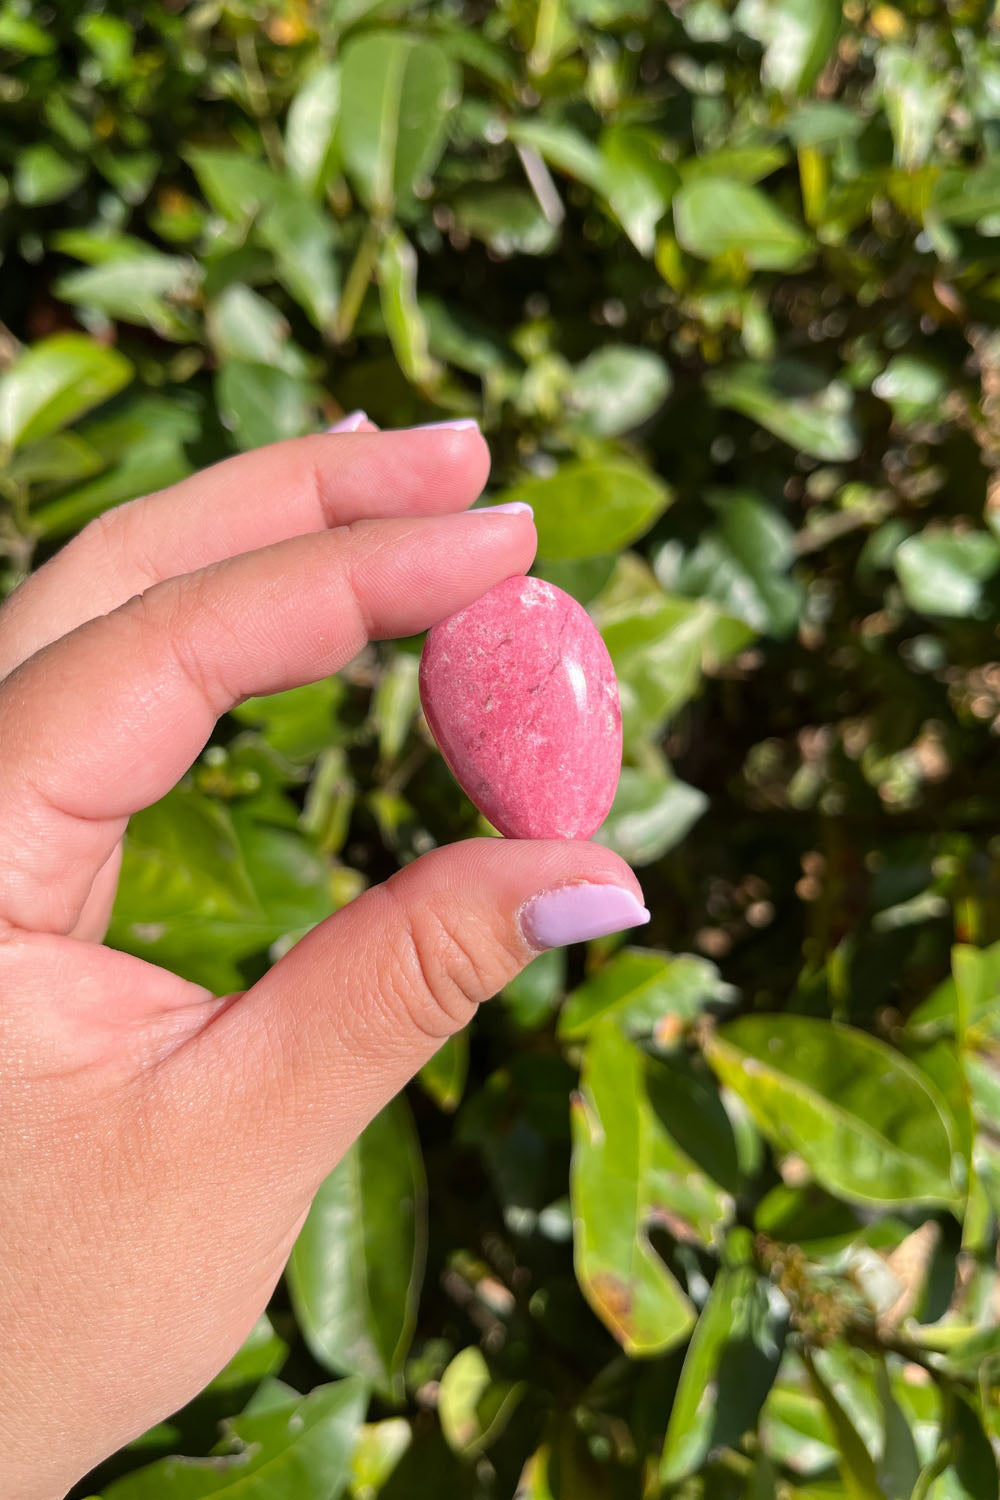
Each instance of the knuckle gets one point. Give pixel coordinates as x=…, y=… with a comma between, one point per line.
x=134, y=624
x=444, y=967
x=357, y=557
x=115, y=538
x=313, y=479
x=189, y=616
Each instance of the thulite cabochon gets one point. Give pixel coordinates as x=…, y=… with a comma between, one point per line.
x=521, y=696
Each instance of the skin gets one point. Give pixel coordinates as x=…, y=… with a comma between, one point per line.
x=161, y=1144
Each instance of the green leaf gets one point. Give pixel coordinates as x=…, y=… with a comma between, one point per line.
x=565, y=149
x=300, y=235
x=742, y=563
x=357, y=1265
x=972, y=1472
x=395, y=704
x=748, y=163
x=651, y=813
x=380, y=1447
x=262, y=1353
x=43, y=175
x=473, y=1406
x=397, y=276
x=712, y=1136
x=507, y=219
x=966, y=195
x=60, y=459
x=517, y=1121
x=96, y=246
x=795, y=402
x=617, y=388
x=236, y=185
x=716, y=216
x=397, y=94
x=283, y=1451
x=153, y=466
x=916, y=94
x=112, y=41
x=130, y=175
x=914, y=387
x=978, y=969
x=151, y=289
x=619, y=1153
x=823, y=123
x=868, y=1124
x=857, y=1467
x=285, y=220
x=583, y=577
x=243, y=325
x=204, y=886
x=646, y=992
x=20, y=35
x=262, y=404
x=310, y=133
x=898, y=1468
x=67, y=122
x=795, y=1431
x=444, y=1075
x=463, y=340
x=299, y=723
x=660, y=647
x=797, y=36
x=639, y=182
x=728, y=1370
x=533, y=995
x=592, y=506
x=54, y=382
x=943, y=572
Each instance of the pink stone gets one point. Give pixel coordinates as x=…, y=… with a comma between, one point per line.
x=520, y=694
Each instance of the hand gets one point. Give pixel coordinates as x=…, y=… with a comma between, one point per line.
x=161, y=1145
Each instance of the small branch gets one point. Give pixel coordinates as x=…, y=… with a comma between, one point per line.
x=357, y=283
x=540, y=180
x=260, y=103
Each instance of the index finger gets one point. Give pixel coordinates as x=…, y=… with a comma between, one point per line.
x=240, y=505
x=106, y=720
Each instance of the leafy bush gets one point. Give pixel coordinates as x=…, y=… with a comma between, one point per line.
x=717, y=1216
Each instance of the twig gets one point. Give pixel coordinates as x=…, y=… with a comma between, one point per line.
x=260, y=103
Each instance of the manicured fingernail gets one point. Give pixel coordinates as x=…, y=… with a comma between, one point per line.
x=350, y=423
x=511, y=508
x=458, y=424
x=574, y=913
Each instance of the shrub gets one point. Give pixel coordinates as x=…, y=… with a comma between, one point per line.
x=714, y=1216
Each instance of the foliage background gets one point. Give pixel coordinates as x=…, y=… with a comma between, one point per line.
x=715, y=1216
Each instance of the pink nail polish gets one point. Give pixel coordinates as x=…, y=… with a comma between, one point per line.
x=511, y=508
x=350, y=423
x=457, y=424
x=574, y=913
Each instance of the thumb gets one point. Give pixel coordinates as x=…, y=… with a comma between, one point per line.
x=345, y=1019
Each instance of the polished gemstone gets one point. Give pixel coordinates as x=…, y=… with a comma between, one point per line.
x=520, y=694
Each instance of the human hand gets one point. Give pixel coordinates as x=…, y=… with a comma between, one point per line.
x=161, y=1145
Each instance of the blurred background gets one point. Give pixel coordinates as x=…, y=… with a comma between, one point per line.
x=713, y=1216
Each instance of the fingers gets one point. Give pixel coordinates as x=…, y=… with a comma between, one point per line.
x=95, y=913
x=106, y=720
x=341, y=1023
x=243, y=504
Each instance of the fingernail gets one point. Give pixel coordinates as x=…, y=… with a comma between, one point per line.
x=350, y=423
x=574, y=913
x=458, y=424
x=510, y=508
